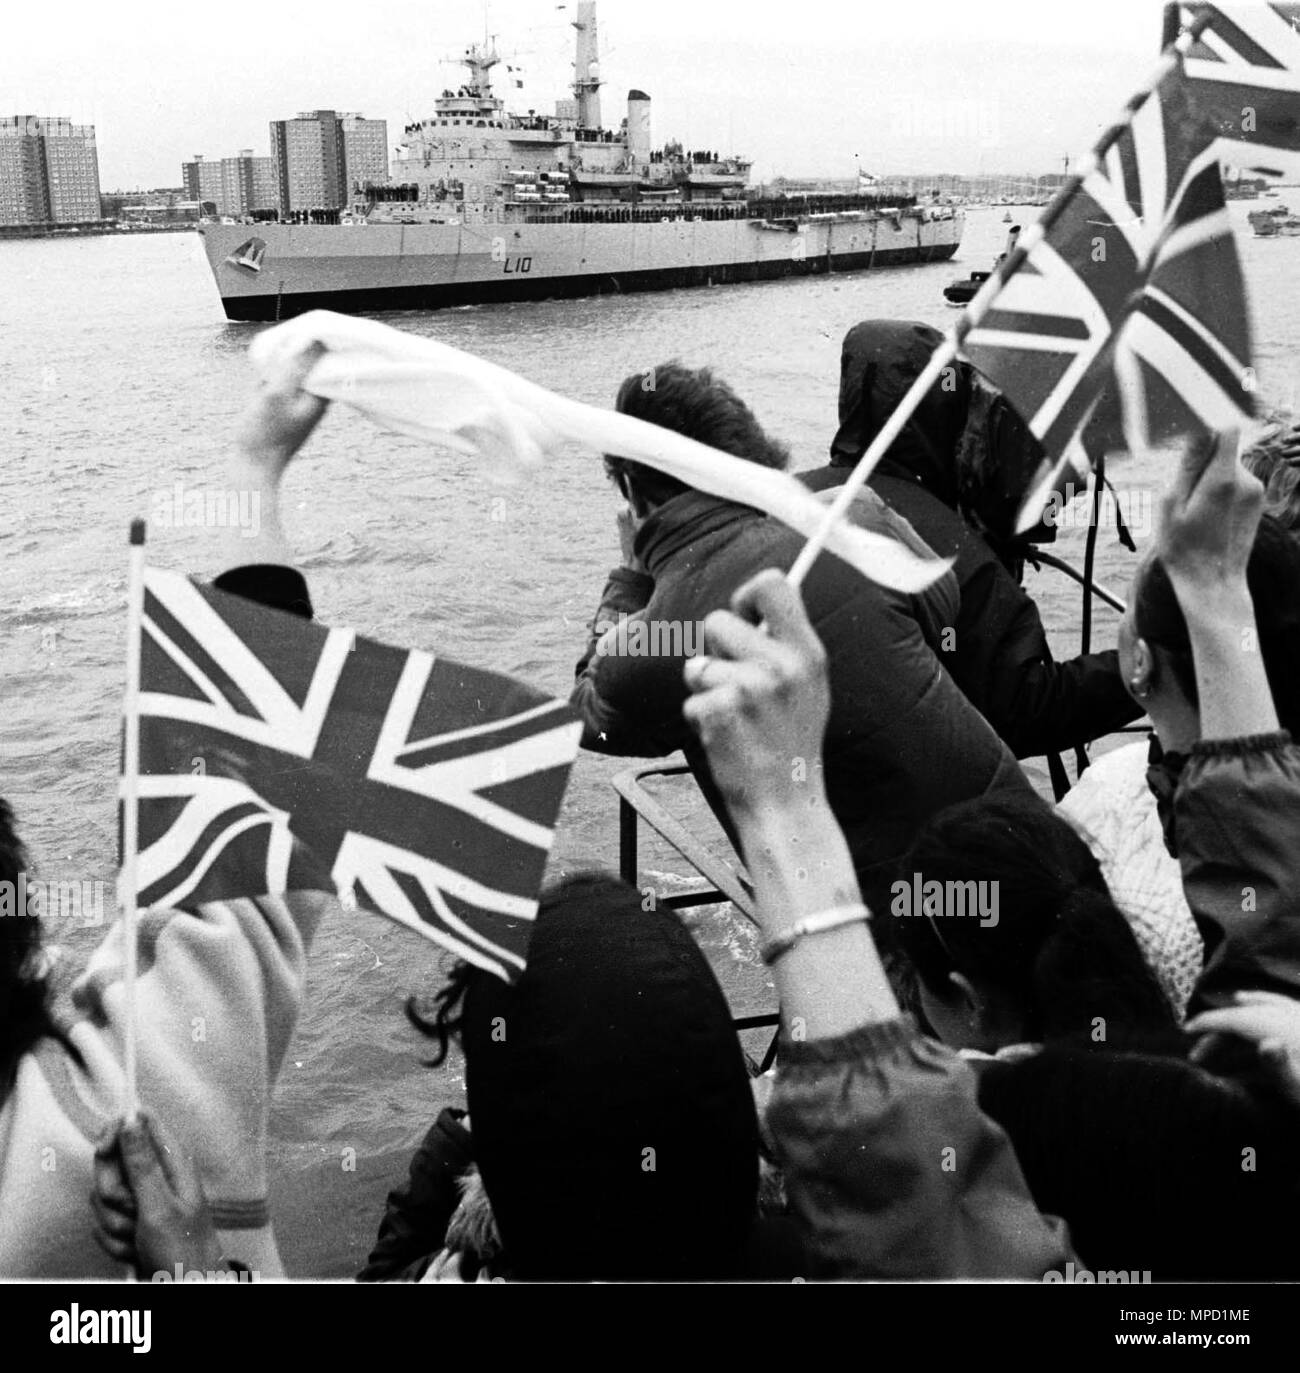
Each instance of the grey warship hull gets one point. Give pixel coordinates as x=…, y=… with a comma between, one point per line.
x=274, y=271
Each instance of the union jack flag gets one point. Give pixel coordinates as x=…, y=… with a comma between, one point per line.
x=1244, y=72
x=278, y=755
x=1127, y=322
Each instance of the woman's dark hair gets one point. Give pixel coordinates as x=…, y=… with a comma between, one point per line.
x=1273, y=576
x=25, y=1016
x=1060, y=950
x=1155, y=1163
x=448, y=1008
x=448, y=1002
x=701, y=407
x=613, y=1048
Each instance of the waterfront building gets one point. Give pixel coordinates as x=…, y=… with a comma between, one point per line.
x=322, y=156
x=202, y=180
x=235, y=185
x=365, y=152
x=49, y=171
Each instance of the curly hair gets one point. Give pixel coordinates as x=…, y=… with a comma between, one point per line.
x=698, y=405
x=449, y=1009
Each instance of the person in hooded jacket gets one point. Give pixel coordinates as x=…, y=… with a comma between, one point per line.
x=955, y=473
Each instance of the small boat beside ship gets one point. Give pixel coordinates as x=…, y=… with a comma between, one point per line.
x=1276, y=222
x=965, y=289
x=485, y=205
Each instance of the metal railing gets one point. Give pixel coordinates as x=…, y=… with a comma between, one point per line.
x=636, y=804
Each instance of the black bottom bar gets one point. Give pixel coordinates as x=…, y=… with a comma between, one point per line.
x=373, y=300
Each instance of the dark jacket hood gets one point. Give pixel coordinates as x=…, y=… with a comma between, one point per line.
x=880, y=360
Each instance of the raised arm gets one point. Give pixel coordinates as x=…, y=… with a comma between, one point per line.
x=274, y=427
x=1237, y=807
x=218, y=995
x=891, y=1167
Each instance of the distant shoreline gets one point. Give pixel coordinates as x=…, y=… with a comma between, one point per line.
x=90, y=230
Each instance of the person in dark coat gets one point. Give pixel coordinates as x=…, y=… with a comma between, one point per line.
x=903, y=742
x=611, y=1134
x=961, y=454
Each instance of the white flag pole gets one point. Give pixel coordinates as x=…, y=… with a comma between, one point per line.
x=130, y=794
x=943, y=356
x=946, y=353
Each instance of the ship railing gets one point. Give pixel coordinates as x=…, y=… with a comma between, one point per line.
x=638, y=805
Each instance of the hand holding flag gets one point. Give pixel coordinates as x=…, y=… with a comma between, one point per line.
x=1120, y=317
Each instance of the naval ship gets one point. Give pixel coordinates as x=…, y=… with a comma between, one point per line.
x=484, y=205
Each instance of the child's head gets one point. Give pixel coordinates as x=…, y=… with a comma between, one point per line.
x=1020, y=940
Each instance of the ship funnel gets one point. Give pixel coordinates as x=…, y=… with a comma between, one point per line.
x=638, y=126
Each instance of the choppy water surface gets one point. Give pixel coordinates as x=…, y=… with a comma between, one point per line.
x=121, y=378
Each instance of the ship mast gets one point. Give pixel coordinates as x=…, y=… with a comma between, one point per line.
x=480, y=59
x=586, y=67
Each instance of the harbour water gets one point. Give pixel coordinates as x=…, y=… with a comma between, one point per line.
x=122, y=378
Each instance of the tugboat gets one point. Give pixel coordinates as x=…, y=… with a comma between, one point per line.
x=965, y=289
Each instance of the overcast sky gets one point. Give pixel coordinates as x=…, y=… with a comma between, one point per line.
x=801, y=88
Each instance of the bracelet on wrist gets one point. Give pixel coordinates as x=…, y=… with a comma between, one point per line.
x=833, y=919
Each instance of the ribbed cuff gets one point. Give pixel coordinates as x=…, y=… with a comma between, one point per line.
x=867, y=1041
x=1241, y=746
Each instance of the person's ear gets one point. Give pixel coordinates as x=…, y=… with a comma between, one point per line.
x=965, y=997
x=992, y=1017
x=634, y=498
x=1142, y=676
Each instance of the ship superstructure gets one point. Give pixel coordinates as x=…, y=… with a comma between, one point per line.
x=475, y=159
x=483, y=205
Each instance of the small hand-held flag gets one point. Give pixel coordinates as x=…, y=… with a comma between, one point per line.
x=1244, y=75
x=1138, y=235
x=130, y=815
x=276, y=755
x=1125, y=323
